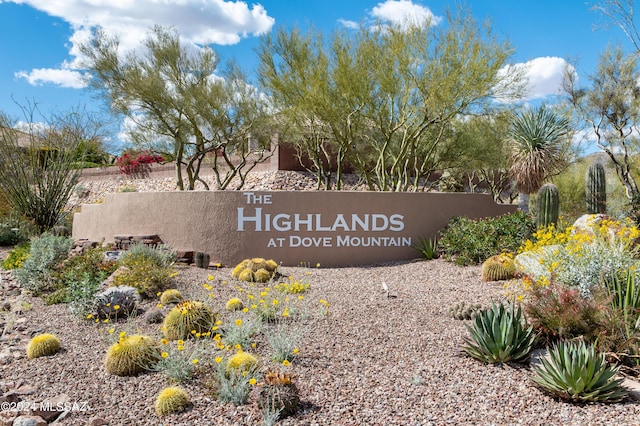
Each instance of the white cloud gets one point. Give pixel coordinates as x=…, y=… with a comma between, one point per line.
x=544, y=76
x=201, y=22
x=60, y=77
x=404, y=12
x=349, y=24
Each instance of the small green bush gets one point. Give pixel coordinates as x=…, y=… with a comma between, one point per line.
x=46, y=252
x=162, y=255
x=472, y=241
x=149, y=274
x=16, y=257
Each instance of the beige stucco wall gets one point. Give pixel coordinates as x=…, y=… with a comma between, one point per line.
x=326, y=227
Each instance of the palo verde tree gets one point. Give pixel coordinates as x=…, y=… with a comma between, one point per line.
x=177, y=93
x=383, y=99
x=37, y=176
x=611, y=108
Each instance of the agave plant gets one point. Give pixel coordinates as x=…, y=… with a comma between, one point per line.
x=575, y=371
x=498, y=334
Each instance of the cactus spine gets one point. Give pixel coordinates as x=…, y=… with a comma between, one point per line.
x=596, y=191
x=548, y=205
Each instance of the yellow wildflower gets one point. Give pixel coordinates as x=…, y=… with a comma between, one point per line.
x=164, y=354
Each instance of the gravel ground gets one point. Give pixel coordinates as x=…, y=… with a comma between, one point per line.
x=372, y=360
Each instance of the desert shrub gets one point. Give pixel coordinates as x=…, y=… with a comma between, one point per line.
x=46, y=252
x=162, y=255
x=583, y=258
x=148, y=271
x=15, y=231
x=471, y=241
x=559, y=312
x=16, y=257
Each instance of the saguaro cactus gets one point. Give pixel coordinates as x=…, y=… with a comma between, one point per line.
x=548, y=205
x=595, y=189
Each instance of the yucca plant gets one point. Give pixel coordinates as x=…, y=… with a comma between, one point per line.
x=498, y=334
x=575, y=371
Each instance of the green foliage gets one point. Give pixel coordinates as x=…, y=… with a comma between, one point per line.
x=14, y=231
x=467, y=242
x=42, y=345
x=238, y=332
x=498, y=335
x=179, y=362
x=132, y=355
x=233, y=385
x=574, y=371
x=16, y=257
x=45, y=253
x=548, y=205
x=162, y=255
x=188, y=318
x=560, y=312
x=171, y=400
x=334, y=90
x=596, y=189
x=498, y=268
x=571, y=184
x=623, y=292
x=148, y=271
x=538, y=139
x=168, y=87
x=427, y=247
x=37, y=180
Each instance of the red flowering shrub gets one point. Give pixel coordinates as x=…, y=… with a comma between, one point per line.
x=559, y=312
x=137, y=163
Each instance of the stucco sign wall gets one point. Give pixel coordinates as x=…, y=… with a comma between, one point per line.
x=333, y=228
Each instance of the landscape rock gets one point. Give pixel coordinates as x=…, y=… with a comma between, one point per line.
x=29, y=421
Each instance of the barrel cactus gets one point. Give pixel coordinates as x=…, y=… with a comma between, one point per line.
x=171, y=400
x=242, y=362
x=548, y=205
x=43, y=345
x=171, y=296
x=234, y=304
x=255, y=269
x=279, y=393
x=596, y=190
x=498, y=268
x=188, y=318
x=132, y=355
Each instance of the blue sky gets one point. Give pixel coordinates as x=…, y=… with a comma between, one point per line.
x=39, y=54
